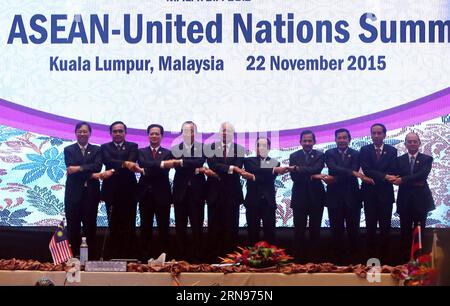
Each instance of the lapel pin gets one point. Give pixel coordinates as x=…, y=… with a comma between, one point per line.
x=312, y=156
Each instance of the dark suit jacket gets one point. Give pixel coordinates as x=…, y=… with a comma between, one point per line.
x=264, y=184
x=156, y=179
x=382, y=191
x=228, y=185
x=91, y=163
x=414, y=194
x=304, y=189
x=346, y=186
x=123, y=181
x=185, y=175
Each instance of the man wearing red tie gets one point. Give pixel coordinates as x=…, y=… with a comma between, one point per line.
x=154, y=193
x=378, y=163
x=414, y=199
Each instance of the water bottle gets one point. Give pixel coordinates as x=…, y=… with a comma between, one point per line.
x=83, y=251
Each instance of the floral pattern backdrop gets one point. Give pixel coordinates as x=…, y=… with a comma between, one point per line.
x=33, y=175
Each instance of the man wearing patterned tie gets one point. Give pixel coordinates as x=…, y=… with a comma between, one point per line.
x=414, y=199
x=154, y=193
x=378, y=163
x=82, y=193
x=118, y=191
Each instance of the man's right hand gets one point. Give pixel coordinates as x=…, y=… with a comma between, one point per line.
x=280, y=170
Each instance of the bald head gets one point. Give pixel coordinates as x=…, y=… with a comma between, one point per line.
x=412, y=142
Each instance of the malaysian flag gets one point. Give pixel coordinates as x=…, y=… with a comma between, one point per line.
x=416, y=247
x=59, y=245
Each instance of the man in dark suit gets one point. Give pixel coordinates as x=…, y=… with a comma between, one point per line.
x=155, y=195
x=308, y=195
x=82, y=193
x=119, y=190
x=343, y=198
x=260, y=201
x=189, y=191
x=414, y=198
x=378, y=163
x=224, y=193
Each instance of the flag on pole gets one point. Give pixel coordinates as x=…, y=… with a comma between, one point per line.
x=416, y=242
x=59, y=245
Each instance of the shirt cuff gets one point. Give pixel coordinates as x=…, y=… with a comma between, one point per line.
x=181, y=163
x=197, y=170
x=230, y=170
x=162, y=165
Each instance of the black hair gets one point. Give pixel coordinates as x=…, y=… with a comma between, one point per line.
x=379, y=124
x=308, y=132
x=81, y=123
x=342, y=131
x=154, y=125
x=117, y=122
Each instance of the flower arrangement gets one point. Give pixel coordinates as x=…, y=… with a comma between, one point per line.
x=420, y=272
x=261, y=255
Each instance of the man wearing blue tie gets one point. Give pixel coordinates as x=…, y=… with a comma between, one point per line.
x=414, y=199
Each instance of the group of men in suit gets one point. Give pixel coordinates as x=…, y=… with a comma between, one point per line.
x=211, y=173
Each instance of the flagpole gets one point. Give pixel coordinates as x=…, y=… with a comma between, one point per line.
x=420, y=238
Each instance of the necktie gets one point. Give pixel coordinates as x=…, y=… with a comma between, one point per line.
x=378, y=153
x=119, y=147
x=154, y=153
x=83, y=150
x=225, y=151
x=343, y=155
x=306, y=156
x=411, y=165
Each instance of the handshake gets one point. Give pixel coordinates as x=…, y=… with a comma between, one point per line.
x=250, y=176
x=103, y=175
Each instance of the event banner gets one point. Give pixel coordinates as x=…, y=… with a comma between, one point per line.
x=269, y=67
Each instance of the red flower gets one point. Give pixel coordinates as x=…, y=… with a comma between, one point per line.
x=262, y=244
x=424, y=259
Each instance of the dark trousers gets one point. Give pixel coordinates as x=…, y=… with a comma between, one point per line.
x=223, y=226
x=254, y=214
x=408, y=221
x=82, y=212
x=122, y=227
x=343, y=217
x=378, y=213
x=313, y=210
x=194, y=211
x=149, y=208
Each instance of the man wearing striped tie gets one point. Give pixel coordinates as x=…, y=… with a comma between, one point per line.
x=414, y=199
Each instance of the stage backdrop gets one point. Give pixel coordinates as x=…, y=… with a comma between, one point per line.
x=272, y=67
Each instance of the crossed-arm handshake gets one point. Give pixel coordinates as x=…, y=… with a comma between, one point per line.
x=250, y=176
x=329, y=179
x=96, y=176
